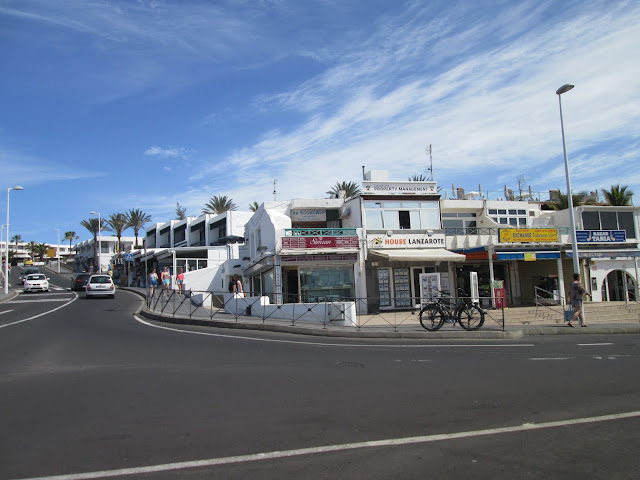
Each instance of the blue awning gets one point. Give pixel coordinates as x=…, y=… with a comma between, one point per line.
x=544, y=255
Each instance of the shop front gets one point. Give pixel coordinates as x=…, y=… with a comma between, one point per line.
x=395, y=263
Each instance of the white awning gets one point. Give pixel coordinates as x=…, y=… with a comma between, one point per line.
x=423, y=255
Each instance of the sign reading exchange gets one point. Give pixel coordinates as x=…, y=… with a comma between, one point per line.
x=601, y=236
x=524, y=235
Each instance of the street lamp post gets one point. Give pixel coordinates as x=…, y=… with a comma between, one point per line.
x=574, y=240
x=58, y=248
x=99, y=240
x=6, y=263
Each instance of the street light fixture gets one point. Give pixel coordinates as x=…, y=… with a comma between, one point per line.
x=6, y=263
x=574, y=240
x=99, y=240
x=58, y=248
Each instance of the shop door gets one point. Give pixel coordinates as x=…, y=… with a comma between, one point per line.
x=415, y=284
x=291, y=286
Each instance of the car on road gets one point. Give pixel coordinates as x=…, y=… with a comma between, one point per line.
x=36, y=282
x=79, y=281
x=28, y=271
x=100, y=285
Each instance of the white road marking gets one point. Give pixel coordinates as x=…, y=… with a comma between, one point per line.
x=41, y=314
x=6, y=311
x=552, y=358
x=592, y=344
x=39, y=300
x=296, y=342
x=391, y=442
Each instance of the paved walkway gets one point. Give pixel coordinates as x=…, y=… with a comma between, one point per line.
x=403, y=325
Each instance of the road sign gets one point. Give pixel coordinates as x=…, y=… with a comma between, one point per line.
x=128, y=257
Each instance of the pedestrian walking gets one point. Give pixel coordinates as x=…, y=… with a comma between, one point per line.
x=180, y=280
x=576, y=292
x=153, y=281
x=166, y=281
x=237, y=286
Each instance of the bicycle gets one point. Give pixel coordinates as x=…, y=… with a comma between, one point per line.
x=468, y=314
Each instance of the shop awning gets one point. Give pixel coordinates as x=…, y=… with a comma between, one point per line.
x=316, y=251
x=421, y=255
x=537, y=255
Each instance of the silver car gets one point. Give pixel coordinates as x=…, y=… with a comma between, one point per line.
x=100, y=285
x=36, y=282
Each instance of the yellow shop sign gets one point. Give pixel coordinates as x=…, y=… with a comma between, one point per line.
x=518, y=235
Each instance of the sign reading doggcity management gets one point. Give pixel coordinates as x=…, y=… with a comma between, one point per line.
x=309, y=215
x=527, y=235
x=397, y=188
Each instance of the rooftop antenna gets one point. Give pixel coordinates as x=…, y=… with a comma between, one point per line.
x=275, y=180
x=427, y=150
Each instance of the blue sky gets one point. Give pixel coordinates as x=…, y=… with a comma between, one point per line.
x=110, y=105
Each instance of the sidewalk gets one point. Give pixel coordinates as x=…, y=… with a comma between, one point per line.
x=185, y=315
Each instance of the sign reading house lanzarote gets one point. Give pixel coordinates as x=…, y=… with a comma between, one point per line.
x=320, y=242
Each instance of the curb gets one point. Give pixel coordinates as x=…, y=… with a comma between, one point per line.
x=350, y=332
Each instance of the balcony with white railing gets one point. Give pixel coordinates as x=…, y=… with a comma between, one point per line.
x=320, y=232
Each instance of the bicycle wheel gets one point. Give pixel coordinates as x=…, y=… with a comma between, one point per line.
x=471, y=317
x=431, y=318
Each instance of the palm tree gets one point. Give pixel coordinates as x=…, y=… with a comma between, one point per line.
x=15, y=239
x=71, y=236
x=350, y=189
x=41, y=250
x=181, y=212
x=32, y=248
x=418, y=178
x=560, y=201
x=219, y=204
x=137, y=219
x=118, y=223
x=254, y=206
x=92, y=225
x=618, y=196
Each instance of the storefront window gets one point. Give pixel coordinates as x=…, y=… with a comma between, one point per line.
x=332, y=284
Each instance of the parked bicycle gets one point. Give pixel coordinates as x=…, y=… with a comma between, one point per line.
x=444, y=309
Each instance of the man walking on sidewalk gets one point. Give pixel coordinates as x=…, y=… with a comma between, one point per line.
x=576, y=291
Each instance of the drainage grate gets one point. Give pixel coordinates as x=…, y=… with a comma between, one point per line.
x=347, y=365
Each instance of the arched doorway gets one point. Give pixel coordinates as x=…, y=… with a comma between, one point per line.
x=614, y=284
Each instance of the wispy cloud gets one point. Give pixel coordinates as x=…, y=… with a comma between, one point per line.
x=170, y=152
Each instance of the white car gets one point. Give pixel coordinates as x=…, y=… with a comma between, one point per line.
x=36, y=282
x=100, y=285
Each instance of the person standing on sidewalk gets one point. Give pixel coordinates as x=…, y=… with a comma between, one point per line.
x=180, y=280
x=166, y=281
x=153, y=281
x=576, y=291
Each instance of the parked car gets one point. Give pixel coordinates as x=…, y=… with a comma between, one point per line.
x=36, y=282
x=100, y=285
x=79, y=281
x=28, y=271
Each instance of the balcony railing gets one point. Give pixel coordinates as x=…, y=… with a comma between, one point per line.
x=320, y=232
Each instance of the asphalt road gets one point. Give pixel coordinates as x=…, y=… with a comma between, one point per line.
x=86, y=387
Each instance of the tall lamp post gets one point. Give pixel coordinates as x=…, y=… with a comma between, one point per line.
x=58, y=248
x=6, y=263
x=99, y=240
x=574, y=240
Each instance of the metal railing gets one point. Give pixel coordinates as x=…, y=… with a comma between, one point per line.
x=546, y=299
x=204, y=307
x=320, y=232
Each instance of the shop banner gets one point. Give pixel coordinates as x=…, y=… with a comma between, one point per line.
x=406, y=240
x=601, y=236
x=524, y=235
x=320, y=242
